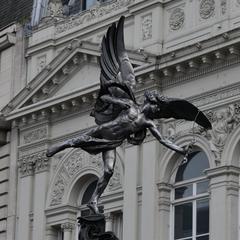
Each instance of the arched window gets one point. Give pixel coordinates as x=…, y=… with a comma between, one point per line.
x=190, y=200
x=84, y=210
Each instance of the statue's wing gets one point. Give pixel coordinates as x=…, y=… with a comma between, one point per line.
x=117, y=77
x=182, y=109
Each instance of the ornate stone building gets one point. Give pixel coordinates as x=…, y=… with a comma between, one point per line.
x=49, y=75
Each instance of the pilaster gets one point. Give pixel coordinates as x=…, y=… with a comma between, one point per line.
x=67, y=230
x=148, y=221
x=224, y=197
x=130, y=194
x=109, y=222
x=12, y=193
x=164, y=192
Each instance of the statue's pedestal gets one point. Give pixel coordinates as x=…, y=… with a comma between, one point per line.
x=93, y=228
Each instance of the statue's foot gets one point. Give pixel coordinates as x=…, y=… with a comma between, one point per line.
x=52, y=150
x=93, y=207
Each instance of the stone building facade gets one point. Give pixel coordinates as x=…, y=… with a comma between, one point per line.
x=49, y=75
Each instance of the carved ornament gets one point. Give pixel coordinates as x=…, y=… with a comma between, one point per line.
x=91, y=14
x=224, y=121
x=176, y=19
x=33, y=163
x=224, y=6
x=207, y=8
x=41, y=63
x=55, y=8
x=147, y=27
x=35, y=135
x=68, y=227
x=77, y=162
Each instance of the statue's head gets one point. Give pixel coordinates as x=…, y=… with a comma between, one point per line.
x=154, y=100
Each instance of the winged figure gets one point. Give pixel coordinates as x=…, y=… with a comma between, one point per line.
x=119, y=117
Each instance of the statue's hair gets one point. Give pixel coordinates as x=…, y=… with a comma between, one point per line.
x=154, y=97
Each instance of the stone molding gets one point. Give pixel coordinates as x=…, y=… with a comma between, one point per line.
x=7, y=41
x=222, y=170
x=77, y=162
x=164, y=190
x=33, y=163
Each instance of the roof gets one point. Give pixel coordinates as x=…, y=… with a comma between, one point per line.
x=15, y=11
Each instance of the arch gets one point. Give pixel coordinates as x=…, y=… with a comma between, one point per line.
x=171, y=161
x=231, y=151
x=79, y=186
x=71, y=171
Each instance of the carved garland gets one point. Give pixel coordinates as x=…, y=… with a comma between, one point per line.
x=77, y=162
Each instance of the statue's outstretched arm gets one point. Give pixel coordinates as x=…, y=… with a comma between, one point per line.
x=118, y=101
x=153, y=129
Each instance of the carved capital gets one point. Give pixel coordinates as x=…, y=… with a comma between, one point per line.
x=67, y=227
x=30, y=164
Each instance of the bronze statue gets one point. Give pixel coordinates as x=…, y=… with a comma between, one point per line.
x=119, y=116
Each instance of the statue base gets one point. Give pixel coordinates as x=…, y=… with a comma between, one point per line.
x=93, y=228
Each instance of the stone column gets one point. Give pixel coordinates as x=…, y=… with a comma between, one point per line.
x=224, y=195
x=67, y=230
x=109, y=222
x=130, y=193
x=164, y=203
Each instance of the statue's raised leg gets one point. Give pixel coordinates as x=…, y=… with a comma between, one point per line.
x=58, y=148
x=109, y=159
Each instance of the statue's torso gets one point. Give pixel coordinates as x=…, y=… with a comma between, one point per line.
x=128, y=122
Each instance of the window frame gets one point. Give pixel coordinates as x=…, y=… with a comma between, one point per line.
x=194, y=198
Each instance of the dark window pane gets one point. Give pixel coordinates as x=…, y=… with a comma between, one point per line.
x=88, y=193
x=183, y=192
x=202, y=187
x=197, y=163
x=202, y=216
x=203, y=238
x=183, y=221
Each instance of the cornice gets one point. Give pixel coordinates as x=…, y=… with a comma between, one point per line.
x=142, y=5
x=7, y=41
x=222, y=170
